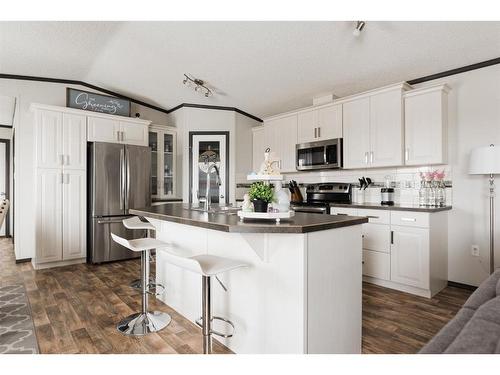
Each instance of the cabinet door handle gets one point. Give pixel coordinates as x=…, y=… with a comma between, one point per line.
x=407, y=154
x=412, y=219
x=315, y=132
x=392, y=237
x=371, y=157
x=366, y=157
x=61, y=156
x=319, y=131
x=62, y=178
x=118, y=135
x=372, y=217
x=123, y=136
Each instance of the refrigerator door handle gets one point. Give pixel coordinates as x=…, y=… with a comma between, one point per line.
x=127, y=187
x=122, y=175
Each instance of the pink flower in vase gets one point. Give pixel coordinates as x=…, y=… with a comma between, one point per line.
x=429, y=176
x=439, y=175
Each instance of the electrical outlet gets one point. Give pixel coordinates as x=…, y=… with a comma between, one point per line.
x=474, y=250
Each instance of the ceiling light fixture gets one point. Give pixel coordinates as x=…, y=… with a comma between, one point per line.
x=359, y=27
x=199, y=85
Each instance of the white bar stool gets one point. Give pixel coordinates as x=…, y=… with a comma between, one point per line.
x=144, y=322
x=135, y=223
x=207, y=266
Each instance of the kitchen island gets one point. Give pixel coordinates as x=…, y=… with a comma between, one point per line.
x=302, y=290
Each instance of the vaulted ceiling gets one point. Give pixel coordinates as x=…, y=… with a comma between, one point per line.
x=263, y=68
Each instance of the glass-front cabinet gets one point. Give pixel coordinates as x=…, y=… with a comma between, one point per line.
x=162, y=141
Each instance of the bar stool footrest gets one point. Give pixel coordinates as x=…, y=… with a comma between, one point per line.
x=199, y=322
x=154, y=286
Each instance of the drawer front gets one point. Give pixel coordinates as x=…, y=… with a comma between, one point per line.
x=377, y=264
x=410, y=219
x=377, y=237
x=376, y=216
x=343, y=211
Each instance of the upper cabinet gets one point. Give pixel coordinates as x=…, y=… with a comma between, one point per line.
x=163, y=144
x=426, y=124
x=280, y=135
x=115, y=130
x=373, y=129
x=259, y=147
x=320, y=124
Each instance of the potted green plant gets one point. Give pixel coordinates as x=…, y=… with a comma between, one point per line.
x=261, y=195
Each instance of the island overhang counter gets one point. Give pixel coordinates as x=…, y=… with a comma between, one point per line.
x=302, y=290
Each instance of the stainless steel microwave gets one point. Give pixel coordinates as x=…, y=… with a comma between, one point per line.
x=319, y=155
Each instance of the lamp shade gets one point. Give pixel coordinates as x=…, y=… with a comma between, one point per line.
x=485, y=160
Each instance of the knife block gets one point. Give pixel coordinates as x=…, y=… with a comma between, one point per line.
x=296, y=196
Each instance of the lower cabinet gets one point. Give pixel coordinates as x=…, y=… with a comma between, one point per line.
x=404, y=250
x=410, y=256
x=61, y=215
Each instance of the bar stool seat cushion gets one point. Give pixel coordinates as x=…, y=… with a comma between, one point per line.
x=140, y=244
x=204, y=264
x=136, y=223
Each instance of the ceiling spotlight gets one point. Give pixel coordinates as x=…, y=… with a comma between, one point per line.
x=199, y=85
x=359, y=27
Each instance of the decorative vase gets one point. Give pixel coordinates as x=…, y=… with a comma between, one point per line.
x=259, y=205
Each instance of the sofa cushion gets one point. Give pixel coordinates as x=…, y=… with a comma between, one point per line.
x=448, y=333
x=482, y=333
x=486, y=291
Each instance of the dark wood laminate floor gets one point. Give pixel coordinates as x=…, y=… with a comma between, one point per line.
x=75, y=310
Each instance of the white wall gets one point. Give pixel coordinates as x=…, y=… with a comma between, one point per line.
x=28, y=92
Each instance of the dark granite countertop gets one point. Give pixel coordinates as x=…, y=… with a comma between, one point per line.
x=396, y=207
x=300, y=223
x=156, y=200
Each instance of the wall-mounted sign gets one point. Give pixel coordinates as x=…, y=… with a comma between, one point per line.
x=91, y=101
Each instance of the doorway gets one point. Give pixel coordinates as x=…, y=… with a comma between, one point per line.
x=5, y=182
x=200, y=142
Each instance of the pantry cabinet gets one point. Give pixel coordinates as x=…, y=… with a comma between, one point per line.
x=319, y=124
x=280, y=135
x=74, y=214
x=426, y=125
x=373, y=129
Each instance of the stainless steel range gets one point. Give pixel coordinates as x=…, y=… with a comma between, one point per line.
x=319, y=197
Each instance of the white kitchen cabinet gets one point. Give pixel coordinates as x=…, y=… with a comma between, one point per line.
x=377, y=237
x=49, y=135
x=281, y=137
x=102, y=129
x=258, y=147
x=426, y=125
x=113, y=130
x=74, y=141
x=376, y=264
x=356, y=124
x=386, y=129
x=163, y=144
x=133, y=133
x=48, y=215
x=410, y=256
x=320, y=124
x=74, y=214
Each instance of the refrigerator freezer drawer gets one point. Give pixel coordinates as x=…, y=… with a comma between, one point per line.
x=103, y=248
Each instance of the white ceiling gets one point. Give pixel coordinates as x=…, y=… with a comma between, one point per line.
x=263, y=68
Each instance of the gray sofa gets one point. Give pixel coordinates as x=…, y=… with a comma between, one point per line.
x=476, y=327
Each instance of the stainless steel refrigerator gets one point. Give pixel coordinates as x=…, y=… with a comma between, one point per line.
x=119, y=179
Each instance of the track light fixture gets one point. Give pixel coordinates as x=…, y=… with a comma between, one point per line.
x=359, y=27
x=199, y=85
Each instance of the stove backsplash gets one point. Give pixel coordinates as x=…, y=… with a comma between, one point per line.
x=406, y=181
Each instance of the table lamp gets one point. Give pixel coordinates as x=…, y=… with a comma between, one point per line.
x=486, y=160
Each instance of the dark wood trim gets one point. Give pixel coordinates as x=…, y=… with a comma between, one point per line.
x=24, y=260
x=462, y=286
x=451, y=72
x=217, y=107
x=121, y=96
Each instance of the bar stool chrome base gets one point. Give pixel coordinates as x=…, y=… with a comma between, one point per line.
x=137, y=284
x=140, y=324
